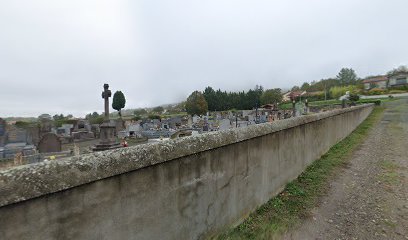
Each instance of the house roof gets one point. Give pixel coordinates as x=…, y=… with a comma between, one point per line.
x=297, y=93
x=375, y=79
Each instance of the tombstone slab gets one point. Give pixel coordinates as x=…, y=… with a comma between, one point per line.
x=16, y=135
x=49, y=142
x=2, y=132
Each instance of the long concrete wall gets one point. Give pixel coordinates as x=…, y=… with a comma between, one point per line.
x=189, y=188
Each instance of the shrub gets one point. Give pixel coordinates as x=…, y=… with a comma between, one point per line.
x=402, y=88
x=153, y=116
x=397, y=91
x=376, y=91
x=375, y=101
x=354, y=97
x=315, y=96
x=136, y=118
x=339, y=91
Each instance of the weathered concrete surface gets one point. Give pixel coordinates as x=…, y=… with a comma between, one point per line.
x=184, y=189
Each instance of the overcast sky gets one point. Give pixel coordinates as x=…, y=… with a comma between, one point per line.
x=55, y=56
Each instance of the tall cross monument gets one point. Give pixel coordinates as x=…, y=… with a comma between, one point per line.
x=107, y=134
x=106, y=94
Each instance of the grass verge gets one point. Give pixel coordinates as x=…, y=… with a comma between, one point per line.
x=285, y=211
x=389, y=175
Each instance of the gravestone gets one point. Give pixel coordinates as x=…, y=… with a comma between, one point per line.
x=225, y=124
x=50, y=142
x=120, y=125
x=81, y=125
x=134, y=129
x=2, y=127
x=108, y=130
x=33, y=135
x=95, y=130
x=16, y=135
x=2, y=132
x=299, y=109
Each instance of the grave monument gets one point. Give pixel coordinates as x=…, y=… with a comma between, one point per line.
x=107, y=129
x=16, y=142
x=2, y=132
x=50, y=142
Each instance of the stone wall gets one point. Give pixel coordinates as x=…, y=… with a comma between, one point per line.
x=188, y=188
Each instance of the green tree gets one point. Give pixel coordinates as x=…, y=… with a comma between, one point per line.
x=211, y=98
x=196, y=104
x=323, y=85
x=139, y=112
x=118, y=102
x=305, y=86
x=44, y=116
x=22, y=124
x=57, y=117
x=154, y=116
x=400, y=69
x=94, y=118
x=158, y=109
x=136, y=118
x=347, y=76
x=295, y=88
x=271, y=96
x=339, y=91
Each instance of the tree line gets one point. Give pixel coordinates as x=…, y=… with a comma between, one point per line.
x=346, y=77
x=218, y=100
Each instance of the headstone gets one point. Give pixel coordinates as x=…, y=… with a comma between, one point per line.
x=50, y=142
x=225, y=124
x=33, y=135
x=16, y=135
x=190, y=122
x=263, y=118
x=1, y=153
x=3, y=125
x=76, y=150
x=120, y=125
x=81, y=125
x=300, y=107
x=95, y=130
x=65, y=130
x=122, y=134
x=18, y=159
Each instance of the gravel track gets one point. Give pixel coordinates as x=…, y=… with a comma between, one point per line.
x=368, y=199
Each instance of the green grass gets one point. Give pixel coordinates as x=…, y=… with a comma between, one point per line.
x=389, y=174
x=285, y=211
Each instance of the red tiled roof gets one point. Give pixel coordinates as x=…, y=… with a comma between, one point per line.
x=375, y=79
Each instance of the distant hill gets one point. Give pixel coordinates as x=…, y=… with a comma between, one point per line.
x=23, y=119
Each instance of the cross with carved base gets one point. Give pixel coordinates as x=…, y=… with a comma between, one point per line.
x=106, y=94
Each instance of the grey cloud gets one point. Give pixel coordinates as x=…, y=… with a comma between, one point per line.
x=55, y=56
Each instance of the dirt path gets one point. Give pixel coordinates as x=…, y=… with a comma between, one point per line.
x=369, y=198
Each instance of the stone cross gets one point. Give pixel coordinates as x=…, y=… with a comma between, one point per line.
x=106, y=94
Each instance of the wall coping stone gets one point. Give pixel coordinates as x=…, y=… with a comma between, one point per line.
x=30, y=181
